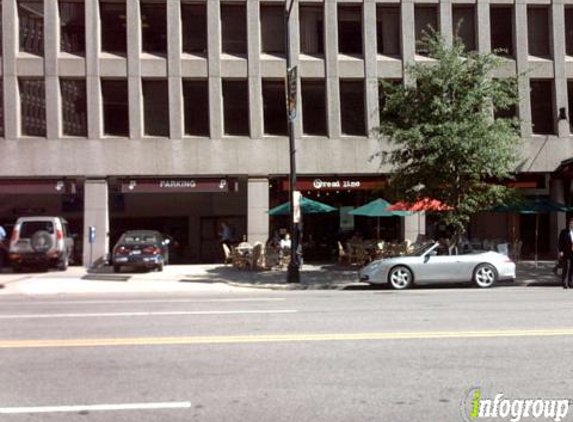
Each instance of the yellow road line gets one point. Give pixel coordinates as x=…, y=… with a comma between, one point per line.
x=157, y=341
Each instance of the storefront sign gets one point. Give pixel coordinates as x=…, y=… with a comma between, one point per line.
x=331, y=184
x=54, y=186
x=178, y=185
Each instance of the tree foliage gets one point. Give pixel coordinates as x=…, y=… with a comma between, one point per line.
x=444, y=142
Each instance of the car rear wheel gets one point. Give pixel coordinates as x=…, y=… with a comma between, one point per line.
x=485, y=275
x=400, y=277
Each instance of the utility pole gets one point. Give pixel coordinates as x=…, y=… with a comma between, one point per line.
x=293, y=273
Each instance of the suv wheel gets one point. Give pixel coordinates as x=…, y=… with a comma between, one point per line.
x=42, y=241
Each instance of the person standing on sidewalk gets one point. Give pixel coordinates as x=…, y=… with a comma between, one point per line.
x=566, y=255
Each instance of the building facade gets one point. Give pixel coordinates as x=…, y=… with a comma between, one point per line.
x=170, y=114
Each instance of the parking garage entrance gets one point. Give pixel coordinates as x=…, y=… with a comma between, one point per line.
x=62, y=197
x=189, y=210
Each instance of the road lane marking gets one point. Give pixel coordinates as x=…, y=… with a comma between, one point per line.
x=157, y=341
x=147, y=313
x=120, y=301
x=96, y=407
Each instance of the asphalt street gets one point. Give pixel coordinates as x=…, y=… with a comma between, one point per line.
x=255, y=355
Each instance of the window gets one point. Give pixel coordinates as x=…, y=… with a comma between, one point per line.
x=113, y=28
x=236, y=107
x=194, y=17
x=156, y=107
x=569, y=31
x=542, y=117
x=274, y=107
x=352, y=107
x=350, y=29
x=234, y=28
x=31, y=21
x=115, y=107
x=273, y=29
x=33, y=106
x=388, y=30
x=311, y=29
x=74, y=108
x=538, y=31
x=426, y=21
x=501, y=24
x=196, y=107
x=313, y=96
x=72, y=27
x=154, y=28
x=463, y=20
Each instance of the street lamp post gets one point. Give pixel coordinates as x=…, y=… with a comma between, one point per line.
x=293, y=273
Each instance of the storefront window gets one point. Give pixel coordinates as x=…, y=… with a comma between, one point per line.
x=32, y=106
x=31, y=24
x=74, y=113
x=72, y=27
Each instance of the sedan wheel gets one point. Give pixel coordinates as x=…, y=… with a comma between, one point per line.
x=485, y=275
x=400, y=278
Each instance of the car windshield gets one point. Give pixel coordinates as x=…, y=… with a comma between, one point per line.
x=28, y=228
x=139, y=238
x=420, y=250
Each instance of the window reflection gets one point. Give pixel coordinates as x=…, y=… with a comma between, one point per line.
x=33, y=106
x=72, y=27
x=74, y=113
x=31, y=20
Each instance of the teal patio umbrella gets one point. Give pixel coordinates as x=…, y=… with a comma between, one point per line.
x=378, y=208
x=536, y=206
x=307, y=206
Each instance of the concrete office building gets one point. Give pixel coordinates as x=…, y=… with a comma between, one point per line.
x=170, y=114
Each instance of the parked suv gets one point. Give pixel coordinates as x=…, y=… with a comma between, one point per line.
x=40, y=241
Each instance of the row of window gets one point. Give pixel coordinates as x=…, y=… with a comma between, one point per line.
x=235, y=107
x=234, y=27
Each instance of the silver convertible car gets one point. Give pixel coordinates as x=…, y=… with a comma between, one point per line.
x=431, y=263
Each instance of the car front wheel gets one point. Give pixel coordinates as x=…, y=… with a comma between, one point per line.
x=485, y=275
x=400, y=278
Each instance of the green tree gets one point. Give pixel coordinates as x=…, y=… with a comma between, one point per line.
x=443, y=141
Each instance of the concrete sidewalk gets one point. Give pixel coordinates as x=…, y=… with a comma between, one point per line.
x=219, y=278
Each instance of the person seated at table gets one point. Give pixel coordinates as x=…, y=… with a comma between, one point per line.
x=444, y=246
x=285, y=242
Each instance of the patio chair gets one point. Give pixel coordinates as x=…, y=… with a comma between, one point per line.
x=228, y=255
x=342, y=254
x=255, y=256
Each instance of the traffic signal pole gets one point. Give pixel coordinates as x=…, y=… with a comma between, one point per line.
x=293, y=272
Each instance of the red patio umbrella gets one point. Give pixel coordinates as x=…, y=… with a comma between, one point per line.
x=424, y=204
